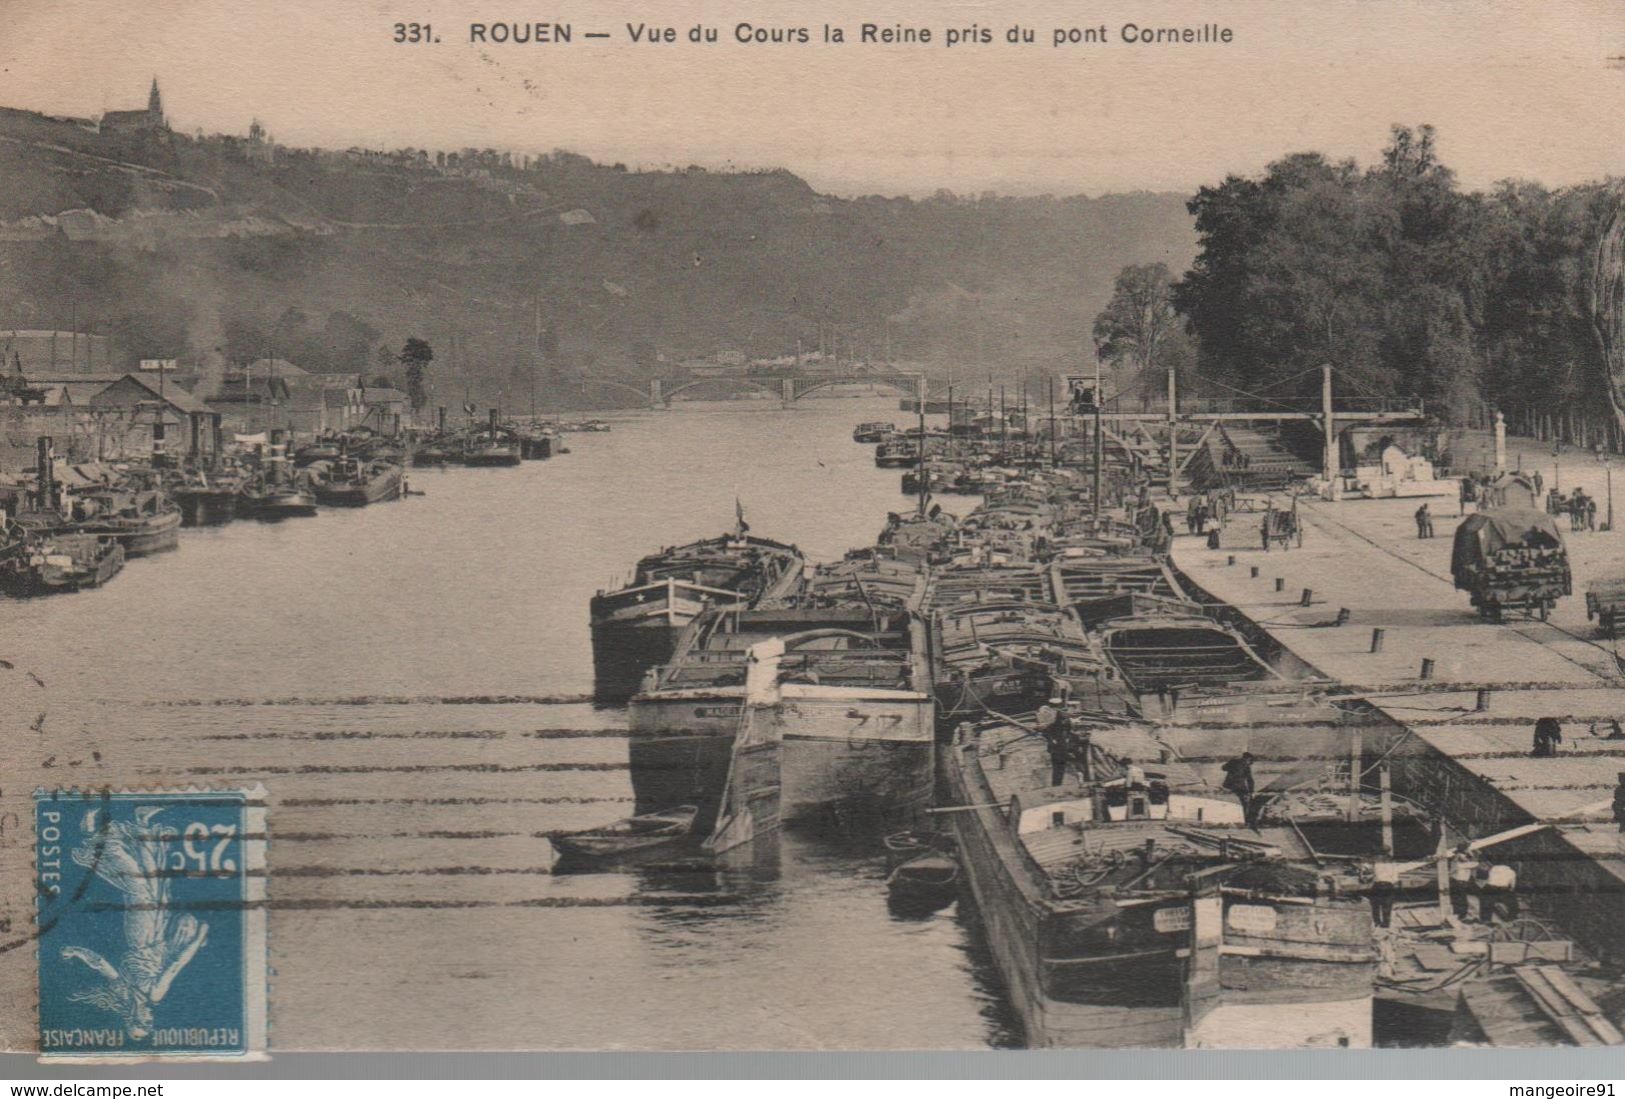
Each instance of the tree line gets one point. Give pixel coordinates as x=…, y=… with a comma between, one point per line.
x=1467, y=302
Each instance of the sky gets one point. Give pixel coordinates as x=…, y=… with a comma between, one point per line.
x=1532, y=90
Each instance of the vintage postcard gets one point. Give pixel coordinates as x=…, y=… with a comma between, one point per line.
x=684, y=527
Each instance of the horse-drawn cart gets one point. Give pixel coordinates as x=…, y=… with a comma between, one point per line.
x=1511, y=560
x=1605, y=602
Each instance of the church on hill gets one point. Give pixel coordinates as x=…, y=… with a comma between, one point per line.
x=151, y=119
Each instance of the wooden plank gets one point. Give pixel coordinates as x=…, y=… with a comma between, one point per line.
x=1556, y=1008
x=1599, y=1023
x=1429, y=956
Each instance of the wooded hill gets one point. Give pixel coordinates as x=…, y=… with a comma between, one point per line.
x=230, y=248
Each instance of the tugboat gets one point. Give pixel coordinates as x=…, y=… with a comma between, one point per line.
x=349, y=482
x=637, y=626
x=494, y=448
x=268, y=502
x=275, y=492
x=52, y=562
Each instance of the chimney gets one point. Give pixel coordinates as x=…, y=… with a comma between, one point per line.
x=45, y=472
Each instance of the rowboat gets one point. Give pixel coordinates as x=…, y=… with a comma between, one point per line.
x=628, y=837
x=924, y=883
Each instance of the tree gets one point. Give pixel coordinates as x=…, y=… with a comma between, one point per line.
x=1136, y=322
x=416, y=355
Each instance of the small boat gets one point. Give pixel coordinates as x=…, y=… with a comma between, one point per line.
x=905, y=846
x=349, y=482
x=628, y=837
x=873, y=431
x=53, y=563
x=924, y=883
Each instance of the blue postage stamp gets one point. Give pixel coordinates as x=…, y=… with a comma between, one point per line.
x=151, y=932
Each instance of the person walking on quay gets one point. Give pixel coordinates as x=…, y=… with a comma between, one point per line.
x=1464, y=494
x=1462, y=865
x=1540, y=484
x=1591, y=512
x=1548, y=735
x=1238, y=779
x=1424, y=522
x=1384, y=884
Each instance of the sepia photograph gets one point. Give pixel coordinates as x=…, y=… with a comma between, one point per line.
x=678, y=527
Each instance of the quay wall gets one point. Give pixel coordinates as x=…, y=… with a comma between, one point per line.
x=1573, y=890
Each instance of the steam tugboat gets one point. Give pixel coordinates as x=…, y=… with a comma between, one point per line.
x=349, y=482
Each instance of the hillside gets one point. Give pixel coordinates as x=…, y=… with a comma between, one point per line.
x=203, y=248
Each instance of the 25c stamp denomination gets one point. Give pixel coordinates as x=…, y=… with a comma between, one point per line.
x=151, y=934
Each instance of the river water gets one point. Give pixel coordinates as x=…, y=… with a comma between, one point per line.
x=394, y=675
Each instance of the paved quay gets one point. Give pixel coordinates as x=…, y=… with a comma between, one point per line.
x=1445, y=753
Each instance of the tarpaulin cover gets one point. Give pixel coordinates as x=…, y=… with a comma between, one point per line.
x=1483, y=533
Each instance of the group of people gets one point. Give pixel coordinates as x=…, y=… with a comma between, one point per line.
x=1579, y=505
x=1424, y=522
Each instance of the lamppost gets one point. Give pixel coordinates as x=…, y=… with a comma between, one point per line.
x=1608, y=472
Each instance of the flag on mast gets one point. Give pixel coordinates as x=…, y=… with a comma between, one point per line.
x=739, y=514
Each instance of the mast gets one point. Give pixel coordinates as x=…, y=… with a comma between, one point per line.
x=922, y=482
x=1100, y=442
x=1326, y=421
x=1173, y=437
x=1004, y=429
x=1052, y=461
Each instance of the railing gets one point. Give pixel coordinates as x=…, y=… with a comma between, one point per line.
x=1264, y=406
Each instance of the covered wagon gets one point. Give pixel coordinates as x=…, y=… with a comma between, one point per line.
x=1511, y=559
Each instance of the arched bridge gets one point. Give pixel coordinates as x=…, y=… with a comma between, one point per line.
x=790, y=388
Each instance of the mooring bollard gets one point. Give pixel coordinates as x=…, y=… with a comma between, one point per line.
x=1427, y=668
x=1308, y=597
x=1483, y=703
x=1376, y=640
x=1230, y=560
x=1343, y=616
x=1280, y=583
x=1254, y=572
